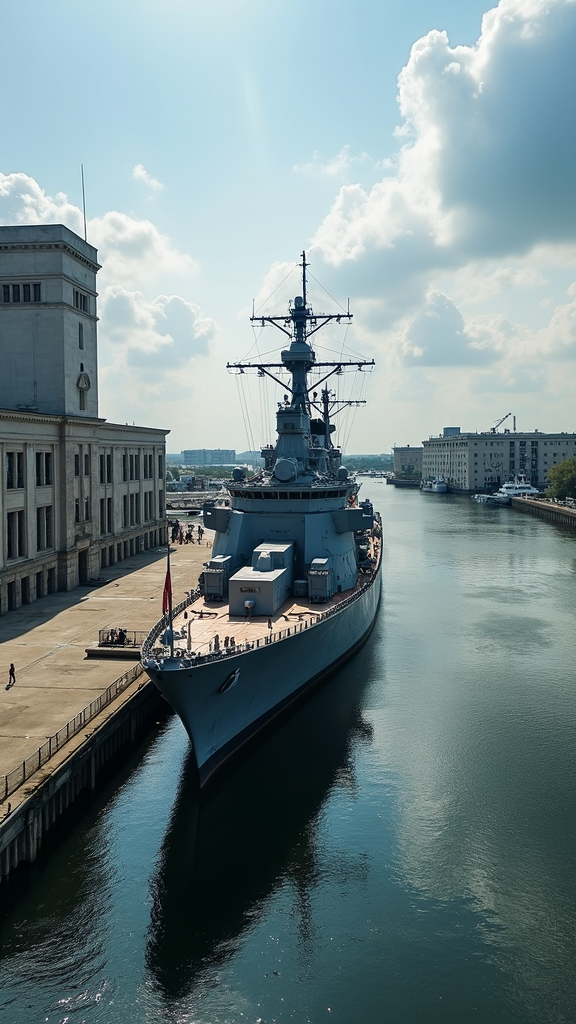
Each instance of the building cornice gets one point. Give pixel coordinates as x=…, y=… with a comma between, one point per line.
x=23, y=246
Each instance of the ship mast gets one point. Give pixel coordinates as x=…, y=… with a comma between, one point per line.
x=299, y=359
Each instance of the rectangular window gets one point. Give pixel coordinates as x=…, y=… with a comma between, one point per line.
x=136, y=467
x=86, y=465
x=132, y=512
x=11, y=534
x=124, y=467
x=21, y=534
x=48, y=468
x=26, y=293
x=39, y=469
x=160, y=467
x=15, y=293
x=49, y=531
x=44, y=537
x=76, y=465
x=37, y=292
x=124, y=510
x=80, y=335
x=80, y=300
x=102, y=515
x=131, y=467
x=137, y=497
x=14, y=470
x=6, y=292
x=102, y=479
x=82, y=401
x=87, y=509
x=10, y=465
x=109, y=468
x=109, y=515
x=77, y=510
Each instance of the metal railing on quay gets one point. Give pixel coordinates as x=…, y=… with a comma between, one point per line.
x=121, y=637
x=15, y=778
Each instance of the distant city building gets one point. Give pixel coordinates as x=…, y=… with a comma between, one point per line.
x=471, y=462
x=208, y=457
x=407, y=460
x=249, y=458
x=76, y=493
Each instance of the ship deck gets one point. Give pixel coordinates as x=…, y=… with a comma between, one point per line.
x=205, y=629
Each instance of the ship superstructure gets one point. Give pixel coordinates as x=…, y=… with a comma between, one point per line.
x=293, y=583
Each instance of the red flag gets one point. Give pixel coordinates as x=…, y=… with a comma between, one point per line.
x=167, y=595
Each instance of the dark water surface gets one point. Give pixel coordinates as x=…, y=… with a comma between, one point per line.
x=402, y=849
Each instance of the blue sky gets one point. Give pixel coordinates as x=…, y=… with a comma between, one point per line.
x=423, y=153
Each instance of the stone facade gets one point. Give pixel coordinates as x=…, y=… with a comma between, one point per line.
x=407, y=460
x=76, y=493
x=472, y=462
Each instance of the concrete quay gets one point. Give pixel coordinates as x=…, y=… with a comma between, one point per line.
x=562, y=515
x=55, y=681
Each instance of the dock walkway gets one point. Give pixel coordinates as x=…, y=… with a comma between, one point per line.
x=47, y=643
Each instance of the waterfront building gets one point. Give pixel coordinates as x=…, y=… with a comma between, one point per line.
x=407, y=461
x=208, y=457
x=76, y=493
x=471, y=462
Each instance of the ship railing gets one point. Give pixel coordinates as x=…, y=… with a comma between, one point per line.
x=15, y=778
x=156, y=653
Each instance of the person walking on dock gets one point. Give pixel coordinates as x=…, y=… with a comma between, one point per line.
x=11, y=676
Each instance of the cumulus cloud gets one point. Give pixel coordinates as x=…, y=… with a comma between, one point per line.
x=140, y=173
x=488, y=164
x=23, y=201
x=459, y=257
x=167, y=330
x=437, y=336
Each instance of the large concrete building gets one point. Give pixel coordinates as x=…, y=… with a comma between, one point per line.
x=407, y=460
x=76, y=493
x=471, y=462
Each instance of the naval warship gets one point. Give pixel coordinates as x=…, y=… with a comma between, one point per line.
x=292, y=586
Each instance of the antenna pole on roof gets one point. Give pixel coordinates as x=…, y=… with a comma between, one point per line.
x=83, y=201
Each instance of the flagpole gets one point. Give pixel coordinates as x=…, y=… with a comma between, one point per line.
x=169, y=578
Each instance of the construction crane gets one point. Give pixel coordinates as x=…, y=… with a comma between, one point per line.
x=499, y=422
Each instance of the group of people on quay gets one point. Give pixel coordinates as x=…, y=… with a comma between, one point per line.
x=117, y=637
x=189, y=533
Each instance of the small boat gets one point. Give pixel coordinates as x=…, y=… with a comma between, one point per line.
x=517, y=488
x=434, y=486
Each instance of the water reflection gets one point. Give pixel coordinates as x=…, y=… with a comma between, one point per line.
x=221, y=861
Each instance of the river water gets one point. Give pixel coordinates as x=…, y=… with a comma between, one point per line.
x=402, y=849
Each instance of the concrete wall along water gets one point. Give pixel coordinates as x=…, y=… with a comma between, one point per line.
x=74, y=773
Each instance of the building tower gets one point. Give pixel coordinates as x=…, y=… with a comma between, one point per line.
x=48, y=321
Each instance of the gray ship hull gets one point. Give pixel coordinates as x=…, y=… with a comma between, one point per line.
x=225, y=703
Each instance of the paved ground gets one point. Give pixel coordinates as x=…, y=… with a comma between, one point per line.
x=47, y=642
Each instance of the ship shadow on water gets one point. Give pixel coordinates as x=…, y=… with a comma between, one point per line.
x=221, y=859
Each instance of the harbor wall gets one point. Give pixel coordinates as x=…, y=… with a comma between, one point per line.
x=75, y=777
x=559, y=514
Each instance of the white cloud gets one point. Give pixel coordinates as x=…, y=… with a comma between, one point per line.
x=140, y=173
x=23, y=201
x=340, y=166
x=489, y=164
x=437, y=336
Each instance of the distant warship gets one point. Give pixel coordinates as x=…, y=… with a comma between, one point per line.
x=293, y=584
